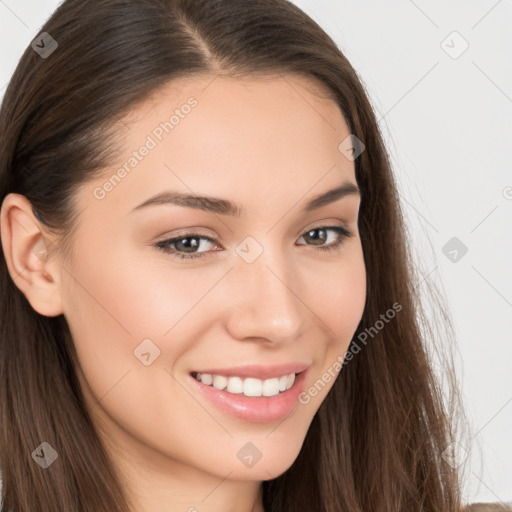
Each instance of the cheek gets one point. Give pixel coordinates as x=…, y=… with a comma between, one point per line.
x=341, y=297
x=345, y=299
x=112, y=304
x=130, y=295
x=340, y=305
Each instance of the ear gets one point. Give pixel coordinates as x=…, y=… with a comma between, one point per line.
x=25, y=246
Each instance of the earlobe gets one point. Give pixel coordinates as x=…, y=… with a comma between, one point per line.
x=26, y=249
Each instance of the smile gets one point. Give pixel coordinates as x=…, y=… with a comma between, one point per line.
x=249, y=398
x=248, y=386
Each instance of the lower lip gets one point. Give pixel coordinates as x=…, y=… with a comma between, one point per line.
x=257, y=409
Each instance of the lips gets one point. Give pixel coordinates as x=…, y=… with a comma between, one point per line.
x=256, y=409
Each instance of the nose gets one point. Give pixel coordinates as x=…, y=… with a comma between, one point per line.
x=266, y=302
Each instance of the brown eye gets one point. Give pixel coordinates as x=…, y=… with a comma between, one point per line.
x=319, y=237
x=184, y=245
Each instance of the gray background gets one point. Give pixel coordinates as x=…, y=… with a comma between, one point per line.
x=446, y=117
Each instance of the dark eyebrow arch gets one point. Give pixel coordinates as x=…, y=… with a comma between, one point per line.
x=225, y=207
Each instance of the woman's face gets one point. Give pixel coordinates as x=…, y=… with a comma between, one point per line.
x=258, y=289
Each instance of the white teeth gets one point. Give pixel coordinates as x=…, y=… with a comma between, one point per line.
x=207, y=378
x=271, y=387
x=235, y=385
x=248, y=386
x=252, y=387
x=219, y=382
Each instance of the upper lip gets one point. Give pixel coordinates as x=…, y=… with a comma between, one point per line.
x=258, y=371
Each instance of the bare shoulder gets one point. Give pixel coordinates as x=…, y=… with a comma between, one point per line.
x=489, y=507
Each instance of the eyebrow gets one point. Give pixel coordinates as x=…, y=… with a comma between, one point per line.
x=225, y=207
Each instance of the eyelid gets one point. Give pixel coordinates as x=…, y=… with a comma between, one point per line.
x=198, y=231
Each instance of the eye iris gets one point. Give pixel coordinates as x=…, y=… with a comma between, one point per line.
x=319, y=239
x=192, y=245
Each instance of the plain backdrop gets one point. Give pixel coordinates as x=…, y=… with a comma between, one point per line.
x=439, y=77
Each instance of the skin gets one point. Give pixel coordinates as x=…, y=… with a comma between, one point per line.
x=270, y=144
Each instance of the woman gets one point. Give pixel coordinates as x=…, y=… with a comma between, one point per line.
x=142, y=373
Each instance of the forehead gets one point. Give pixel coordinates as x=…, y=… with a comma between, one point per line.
x=252, y=138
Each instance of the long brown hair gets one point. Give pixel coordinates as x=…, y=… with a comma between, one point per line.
x=378, y=441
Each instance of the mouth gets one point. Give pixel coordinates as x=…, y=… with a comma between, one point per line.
x=249, y=398
x=249, y=386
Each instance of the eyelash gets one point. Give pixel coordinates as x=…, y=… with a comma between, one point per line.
x=163, y=245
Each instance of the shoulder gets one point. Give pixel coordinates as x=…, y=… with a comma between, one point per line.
x=489, y=507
